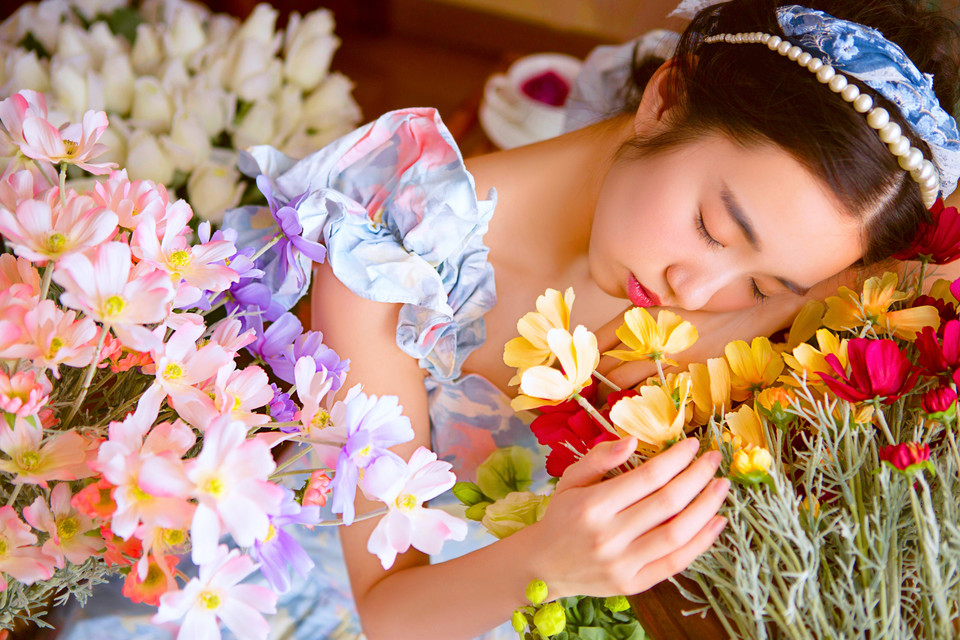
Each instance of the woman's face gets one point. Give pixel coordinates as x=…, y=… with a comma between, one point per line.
x=715, y=226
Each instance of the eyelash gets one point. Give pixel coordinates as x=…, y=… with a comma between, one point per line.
x=758, y=295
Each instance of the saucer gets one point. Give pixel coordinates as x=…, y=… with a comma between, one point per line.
x=504, y=133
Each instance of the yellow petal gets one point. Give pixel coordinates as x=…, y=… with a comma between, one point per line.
x=745, y=425
x=907, y=323
x=806, y=323
x=842, y=311
x=525, y=403
x=588, y=357
x=561, y=345
x=680, y=338
x=545, y=383
x=651, y=417
x=639, y=331
x=941, y=291
x=520, y=353
x=556, y=309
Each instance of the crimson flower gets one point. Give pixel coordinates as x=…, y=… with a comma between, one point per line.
x=939, y=356
x=945, y=309
x=938, y=401
x=907, y=456
x=878, y=369
x=937, y=239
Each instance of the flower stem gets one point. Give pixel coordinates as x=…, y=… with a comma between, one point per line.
x=604, y=380
x=45, y=283
x=274, y=240
x=88, y=378
x=883, y=421
x=589, y=408
x=923, y=273
x=286, y=463
x=63, y=184
x=365, y=516
x=13, y=496
x=663, y=378
x=293, y=472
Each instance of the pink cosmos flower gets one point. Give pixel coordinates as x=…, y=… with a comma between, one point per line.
x=25, y=562
x=22, y=394
x=317, y=489
x=229, y=334
x=19, y=271
x=13, y=112
x=132, y=201
x=193, y=268
x=235, y=395
x=66, y=527
x=877, y=369
x=44, y=230
x=73, y=144
x=939, y=401
x=230, y=482
x=312, y=388
x=56, y=337
x=215, y=596
x=404, y=488
x=107, y=287
x=17, y=187
x=59, y=457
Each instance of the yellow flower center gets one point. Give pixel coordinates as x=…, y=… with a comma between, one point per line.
x=236, y=403
x=173, y=537
x=113, y=306
x=321, y=419
x=180, y=258
x=363, y=453
x=55, y=345
x=67, y=528
x=172, y=371
x=55, y=242
x=29, y=460
x=215, y=487
x=3, y=547
x=139, y=494
x=70, y=147
x=154, y=575
x=209, y=600
x=271, y=533
x=406, y=502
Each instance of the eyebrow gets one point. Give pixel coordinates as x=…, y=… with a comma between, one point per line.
x=736, y=212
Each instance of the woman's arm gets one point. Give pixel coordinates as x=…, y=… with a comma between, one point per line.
x=597, y=538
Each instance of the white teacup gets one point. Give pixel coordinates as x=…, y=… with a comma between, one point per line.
x=512, y=95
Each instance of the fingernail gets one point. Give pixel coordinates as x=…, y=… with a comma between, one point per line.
x=713, y=457
x=719, y=522
x=692, y=443
x=623, y=445
x=720, y=486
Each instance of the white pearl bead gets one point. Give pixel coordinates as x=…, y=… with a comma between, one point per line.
x=863, y=103
x=794, y=52
x=815, y=65
x=926, y=170
x=878, y=118
x=784, y=47
x=901, y=147
x=912, y=160
x=890, y=132
x=837, y=83
x=774, y=42
x=804, y=59
x=825, y=73
x=932, y=183
x=850, y=92
x=765, y=38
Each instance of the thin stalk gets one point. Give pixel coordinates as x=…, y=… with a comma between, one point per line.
x=923, y=273
x=88, y=377
x=883, y=421
x=63, y=184
x=293, y=472
x=366, y=516
x=274, y=240
x=604, y=380
x=929, y=560
x=45, y=283
x=290, y=461
x=13, y=496
x=593, y=412
x=663, y=378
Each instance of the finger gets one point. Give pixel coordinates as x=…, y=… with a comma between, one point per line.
x=679, y=559
x=591, y=468
x=635, y=485
x=607, y=334
x=627, y=375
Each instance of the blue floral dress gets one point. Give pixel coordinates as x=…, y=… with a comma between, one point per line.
x=398, y=213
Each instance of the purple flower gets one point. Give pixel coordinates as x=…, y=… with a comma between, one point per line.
x=272, y=343
x=240, y=262
x=373, y=426
x=282, y=408
x=280, y=551
x=291, y=243
x=310, y=343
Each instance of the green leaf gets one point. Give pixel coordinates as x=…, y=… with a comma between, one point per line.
x=124, y=21
x=468, y=493
x=30, y=43
x=505, y=471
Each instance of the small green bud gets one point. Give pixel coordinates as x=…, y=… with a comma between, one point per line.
x=468, y=493
x=616, y=603
x=518, y=620
x=477, y=511
x=536, y=591
x=550, y=619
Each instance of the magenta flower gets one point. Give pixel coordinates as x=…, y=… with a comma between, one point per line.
x=939, y=356
x=878, y=369
x=907, y=456
x=937, y=402
x=938, y=239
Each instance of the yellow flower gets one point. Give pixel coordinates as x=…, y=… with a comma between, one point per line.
x=805, y=324
x=531, y=348
x=773, y=403
x=751, y=461
x=941, y=291
x=847, y=310
x=807, y=361
x=744, y=430
x=651, y=339
x=711, y=389
x=752, y=367
x=652, y=417
x=541, y=385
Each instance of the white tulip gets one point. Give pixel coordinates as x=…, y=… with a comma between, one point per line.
x=260, y=25
x=221, y=27
x=186, y=35
x=90, y=8
x=258, y=125
x=69, y=86
x=146, y=54
x=147, y=160
x=187, y=145
x=72, y=41
x=43, y=22
x=103, y=44
x=308, y=60
x=214, y=108
x=173, y=74
x=116, y=141
x=152, y=107
x=315, y=24
x=215, y=186
x=252, y=72
x=289, y=111
x=26, y=71
x=117, y=74
x=331, y=104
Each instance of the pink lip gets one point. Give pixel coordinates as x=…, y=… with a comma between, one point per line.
x=640, y=296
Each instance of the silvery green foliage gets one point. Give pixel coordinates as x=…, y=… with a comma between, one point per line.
x=880, y=558
x=22, y=604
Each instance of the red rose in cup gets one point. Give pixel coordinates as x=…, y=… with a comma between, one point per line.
x=547, y=87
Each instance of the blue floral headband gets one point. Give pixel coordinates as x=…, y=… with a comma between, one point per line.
x=861, y=52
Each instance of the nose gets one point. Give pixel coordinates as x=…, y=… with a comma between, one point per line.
x=694, y=284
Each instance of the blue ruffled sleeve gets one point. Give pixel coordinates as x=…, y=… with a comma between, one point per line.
x=398, y=213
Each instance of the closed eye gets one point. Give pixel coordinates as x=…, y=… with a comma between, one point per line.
x=702, y=230
x=758, y=295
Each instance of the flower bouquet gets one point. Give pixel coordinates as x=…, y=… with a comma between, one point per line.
x=159, y=406
x=840, y=441
x=184, y=87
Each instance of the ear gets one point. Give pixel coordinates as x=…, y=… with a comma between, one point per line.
x=659, y=97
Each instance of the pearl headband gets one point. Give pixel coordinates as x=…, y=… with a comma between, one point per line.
x=837, y=50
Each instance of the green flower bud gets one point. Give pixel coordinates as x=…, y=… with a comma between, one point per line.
x=506, y=470
x=468, y=493
x=477, y=511
x=519, y=621
x=550, y=619
x=616, y=603
x=536, y=591
x=514, y=512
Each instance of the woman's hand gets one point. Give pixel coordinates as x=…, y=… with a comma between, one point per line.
x=625, y=534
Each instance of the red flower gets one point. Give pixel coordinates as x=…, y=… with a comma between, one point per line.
x=938, y=239
x=877, y=369
x=158, y=581
x=904, y=455
x=938, y=401
x=937, y=357
x=945, y=309
x=95, y=500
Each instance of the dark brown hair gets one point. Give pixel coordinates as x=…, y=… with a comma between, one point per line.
x=753, y=95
